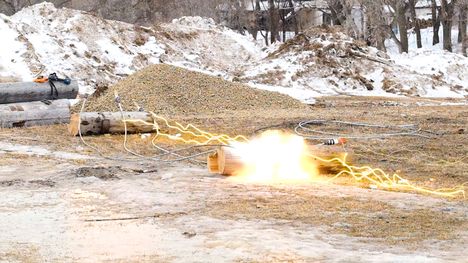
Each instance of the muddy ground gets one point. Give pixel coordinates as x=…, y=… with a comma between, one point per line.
x=63, y=202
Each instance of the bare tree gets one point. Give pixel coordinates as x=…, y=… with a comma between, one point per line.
x=415, y=20
x=274, y=21
x=435, y=22
x=462, y=24
x=398, y=9
x=261, y=21
x=336, y=10
x=294, y=16
x=377, y=23
x=446, y=16
x=342, y=14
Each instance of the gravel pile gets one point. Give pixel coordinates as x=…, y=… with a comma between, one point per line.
x=170, y=90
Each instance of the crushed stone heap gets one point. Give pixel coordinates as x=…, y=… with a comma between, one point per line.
x=170, y=90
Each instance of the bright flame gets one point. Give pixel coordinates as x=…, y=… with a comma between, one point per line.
x=275, y=157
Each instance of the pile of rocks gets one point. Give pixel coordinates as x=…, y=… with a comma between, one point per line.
x=170, y=90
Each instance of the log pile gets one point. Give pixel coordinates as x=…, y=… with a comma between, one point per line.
x=26, y=104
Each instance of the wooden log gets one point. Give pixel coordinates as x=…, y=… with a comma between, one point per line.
x=32, y=91
x=35, y=106
x=34, y=114
x=111, y=122
x=229, y=162
x=226, y=160
x=212, y=163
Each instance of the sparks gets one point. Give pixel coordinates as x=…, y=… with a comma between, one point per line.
x=276, y=157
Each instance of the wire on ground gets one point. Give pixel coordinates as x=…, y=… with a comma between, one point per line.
x=304, y=129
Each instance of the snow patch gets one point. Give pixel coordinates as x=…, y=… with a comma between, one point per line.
x=12, y=64
x=42, y=39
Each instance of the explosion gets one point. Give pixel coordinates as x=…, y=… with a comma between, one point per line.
x=277, y=157
x=274, y=157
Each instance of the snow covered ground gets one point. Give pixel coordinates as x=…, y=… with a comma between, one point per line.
x=330, y=63
x=42, y=39
x=432, y=60
x=74, y=44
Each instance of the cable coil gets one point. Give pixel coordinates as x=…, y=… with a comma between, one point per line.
x=304, y=129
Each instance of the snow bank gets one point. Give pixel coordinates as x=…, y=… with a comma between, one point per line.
x=12, y=64
x=78, y=45
x=327, y=62
x=200, y=44
x=42, y=39
x=448, y=69
x=195, y=22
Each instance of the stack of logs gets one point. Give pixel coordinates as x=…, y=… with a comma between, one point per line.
x=26, y=104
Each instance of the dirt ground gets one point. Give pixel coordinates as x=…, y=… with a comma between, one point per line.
x=63, y=202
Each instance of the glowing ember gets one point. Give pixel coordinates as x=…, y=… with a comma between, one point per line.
x=275, y=157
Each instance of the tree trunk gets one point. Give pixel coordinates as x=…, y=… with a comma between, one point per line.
x=402, y=25
x=376, y=25
x=351, y=26
x=294, y=17
x=363, y=23
x=34, y=114
x=256, y=26
x=465, y=45
x=395, y=39
x=336, y=11
x=31, y=91
x=462, y=25
x=381, y=43
x=111, y=122
x=417, y=27
x=446, y=11
x=435, y=23
x=237, y=15
x=447, y=36
x=274, y=21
